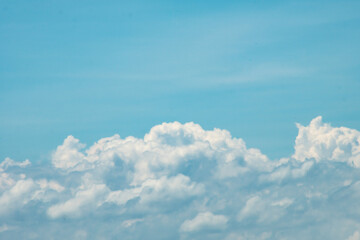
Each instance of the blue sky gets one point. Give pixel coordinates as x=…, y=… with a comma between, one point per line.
x=92, y=69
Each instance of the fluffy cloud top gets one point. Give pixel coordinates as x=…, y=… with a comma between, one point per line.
x=183, y=182
x=322, y=142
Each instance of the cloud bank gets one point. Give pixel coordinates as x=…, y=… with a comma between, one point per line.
x=183, y=182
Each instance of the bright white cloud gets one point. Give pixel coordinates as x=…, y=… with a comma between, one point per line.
x=164, y=189
x=69, y=157
x=165, y=149
x=321, y=142
x=205, y=183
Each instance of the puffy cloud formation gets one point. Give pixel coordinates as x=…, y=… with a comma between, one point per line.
x=183, y=182
x=321, y=142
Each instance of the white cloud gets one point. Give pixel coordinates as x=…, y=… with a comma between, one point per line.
x=45, y=184
x=68, y=156
x=252, y=206
x=8, y=162
x=163, y=189
x=204, y=221
x=177, y=170
x=322, y=142
x=88, y=196
x=131, y=222
x=16, y=196
x=5, y=180
x=163, y=150
x=264, y=209
x=283, y=202
x=121, y=197
x=288, y=169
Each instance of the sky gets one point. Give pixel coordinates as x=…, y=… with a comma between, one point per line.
x=179, y=119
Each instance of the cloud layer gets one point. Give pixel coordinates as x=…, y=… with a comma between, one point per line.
x=183, y=182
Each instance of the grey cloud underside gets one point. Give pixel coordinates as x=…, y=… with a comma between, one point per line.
x=183, y=182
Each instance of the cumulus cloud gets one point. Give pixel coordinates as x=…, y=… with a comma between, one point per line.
x=87, y=198
x=164, y=150
x=322, y=142
x=68, y=155
x=205, y=220
x=17, y=195
x=181, y=181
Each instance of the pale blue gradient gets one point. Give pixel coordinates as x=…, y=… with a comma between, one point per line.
x=96, y=68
